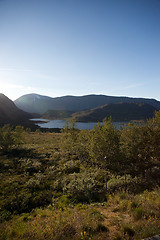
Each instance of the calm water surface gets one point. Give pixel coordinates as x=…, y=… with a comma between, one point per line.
x=61, y=123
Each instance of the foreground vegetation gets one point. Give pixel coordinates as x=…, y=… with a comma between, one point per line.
x=124, y=216
x=99, y=184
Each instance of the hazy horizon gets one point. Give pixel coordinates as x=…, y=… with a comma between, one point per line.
x=57, y=48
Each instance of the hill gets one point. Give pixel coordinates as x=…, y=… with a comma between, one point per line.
x=10, y=114
x=34, y=103
x=57, y=114
x=118, y=111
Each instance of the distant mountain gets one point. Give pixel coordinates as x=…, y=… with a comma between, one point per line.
x=10, y=114
x=118, y=111
x=34, y=103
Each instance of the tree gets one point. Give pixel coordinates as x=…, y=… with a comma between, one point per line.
x=69, y=137
x=18, y=135
x=104, y=146
x=6, y=137
x=138, y=147
x=154, y=127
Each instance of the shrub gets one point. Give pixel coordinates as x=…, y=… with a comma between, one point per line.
x=18, y=135
x=119, y=183
x=28, y=130
x=30, y=166
x=6, y=137
x=138, y=213
x=82, y=187
x=104, y=146
x=72, y=166
x=140, y=146
x=127, y=230
x=38, y=131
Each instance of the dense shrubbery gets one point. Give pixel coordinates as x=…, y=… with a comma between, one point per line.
x=40, y=169
x=10, y=137
x=133, y=150
x=82, y=187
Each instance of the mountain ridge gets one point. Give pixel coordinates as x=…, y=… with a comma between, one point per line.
x=35, y=103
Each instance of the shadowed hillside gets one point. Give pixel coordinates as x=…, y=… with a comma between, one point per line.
x=57, y=114
x=10, y=114
x=118, y=111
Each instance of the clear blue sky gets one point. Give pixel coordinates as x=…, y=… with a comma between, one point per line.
x=79, y=47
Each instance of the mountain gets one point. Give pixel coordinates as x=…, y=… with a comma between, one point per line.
x=118, y=111
x=34, y=103
x=10, y=114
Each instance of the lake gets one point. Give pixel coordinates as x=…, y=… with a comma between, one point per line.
x=60, y=124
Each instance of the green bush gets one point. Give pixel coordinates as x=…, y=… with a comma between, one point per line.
x=10, y=137
x=119, y=183
x=6, y=137
x=18, y=135
x=138, y=213
x=139, y=144
x=104, y=146
x=72, y=166
x=82, y=187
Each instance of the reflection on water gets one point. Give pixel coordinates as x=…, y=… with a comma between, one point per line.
x=60, y=124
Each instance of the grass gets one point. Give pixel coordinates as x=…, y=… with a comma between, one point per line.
x=133, y=217
x=51, y=223
x=89, y=221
